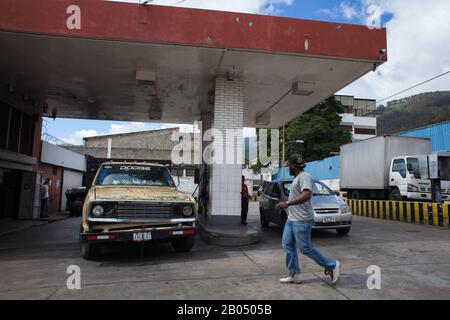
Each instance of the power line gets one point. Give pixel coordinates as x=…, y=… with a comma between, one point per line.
x=374, y=10
x=177, y=3
x=415, y=86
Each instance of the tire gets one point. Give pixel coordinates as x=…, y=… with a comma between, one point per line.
x=355, y=195
x=89, y=250
x=395, y=195
x=264, y=222
x=343, y=231
x=183, y=244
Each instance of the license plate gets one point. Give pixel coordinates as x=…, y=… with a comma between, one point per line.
x=142, y=236
x=329, y=220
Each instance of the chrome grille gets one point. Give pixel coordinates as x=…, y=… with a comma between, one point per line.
x=133, y=210
x=327, y=211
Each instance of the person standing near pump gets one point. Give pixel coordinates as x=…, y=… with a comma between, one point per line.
x=245, y=200
x=297, y=230
x=45, y=195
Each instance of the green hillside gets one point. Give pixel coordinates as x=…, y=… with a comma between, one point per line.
x=414, y=112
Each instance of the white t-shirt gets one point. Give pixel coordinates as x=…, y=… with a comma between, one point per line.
x=44, y=192
x=304, y=211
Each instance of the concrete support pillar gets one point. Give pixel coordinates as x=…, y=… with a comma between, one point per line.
x=226, y=171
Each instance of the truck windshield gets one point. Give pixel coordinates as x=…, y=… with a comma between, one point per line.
x=135, y=175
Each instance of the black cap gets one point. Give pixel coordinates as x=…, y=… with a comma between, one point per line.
x=297, y=160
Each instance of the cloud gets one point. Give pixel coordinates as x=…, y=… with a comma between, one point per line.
x=76, y=138
x=268, y=7
x=348, y=11
x=128, y=127
x=418, y=49
x=344, y=9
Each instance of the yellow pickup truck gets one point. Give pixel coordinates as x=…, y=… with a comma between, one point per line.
x=136, y=202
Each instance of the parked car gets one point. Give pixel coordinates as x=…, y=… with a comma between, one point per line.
x=136, y=202
x=330, y=212
x=75, y=198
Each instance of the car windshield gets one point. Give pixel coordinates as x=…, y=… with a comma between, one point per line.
x=134, y=175
x=319, y=189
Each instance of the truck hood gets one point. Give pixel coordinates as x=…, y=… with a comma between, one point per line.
x=139, y=193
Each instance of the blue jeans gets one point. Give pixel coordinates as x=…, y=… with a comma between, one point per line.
x=44, y=208
x=298, y=234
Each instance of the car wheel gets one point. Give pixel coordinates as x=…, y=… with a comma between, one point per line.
x=343, y=231
x=183, y=244
x=355, y=195
x=264, y=223
x=89, y=250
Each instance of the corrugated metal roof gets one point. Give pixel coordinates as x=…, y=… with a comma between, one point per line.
x=325, y=169
x=438, y=134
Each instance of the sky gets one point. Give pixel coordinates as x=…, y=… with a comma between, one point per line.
x=418, y=48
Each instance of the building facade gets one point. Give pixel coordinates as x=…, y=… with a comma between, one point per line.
x=20, y=130
x=359, y=117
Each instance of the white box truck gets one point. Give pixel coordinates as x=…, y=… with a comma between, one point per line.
x=389, y=167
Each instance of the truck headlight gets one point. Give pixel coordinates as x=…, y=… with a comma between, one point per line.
x=345, y=209
x=98, y=211
x=412, y=188
x=188, y=211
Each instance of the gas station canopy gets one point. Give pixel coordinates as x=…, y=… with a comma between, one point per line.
x=154, y=63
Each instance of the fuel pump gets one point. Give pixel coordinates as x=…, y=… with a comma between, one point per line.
x=439, y=167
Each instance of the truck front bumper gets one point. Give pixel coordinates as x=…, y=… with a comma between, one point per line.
x=422, y=196
x=138, y=235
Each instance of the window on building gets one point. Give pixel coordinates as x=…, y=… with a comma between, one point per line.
x=348, y=128
x=4, y=124
x=372, y=132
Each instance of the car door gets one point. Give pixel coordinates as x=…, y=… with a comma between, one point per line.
x=265, y=200
x=274, y=198
x=398, y=174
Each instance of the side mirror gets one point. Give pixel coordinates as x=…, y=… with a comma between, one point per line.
x=337, y=193
x=409, y=167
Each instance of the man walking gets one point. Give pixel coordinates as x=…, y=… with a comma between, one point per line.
x=245, y=199
x=297, y=231
x=45, y=198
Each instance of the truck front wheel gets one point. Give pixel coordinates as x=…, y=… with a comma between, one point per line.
x=395, y=195
x=89, y=251
x=183, y=244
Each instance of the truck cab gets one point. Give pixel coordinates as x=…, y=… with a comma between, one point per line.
x=409, y=179
x=136, y=202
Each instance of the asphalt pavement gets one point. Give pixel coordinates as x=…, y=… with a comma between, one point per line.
x=414, y=263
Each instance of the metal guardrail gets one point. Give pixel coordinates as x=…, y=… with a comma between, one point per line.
x=422, y=213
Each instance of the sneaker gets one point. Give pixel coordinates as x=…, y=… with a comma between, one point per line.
x=336, y=273
x=293, y=278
